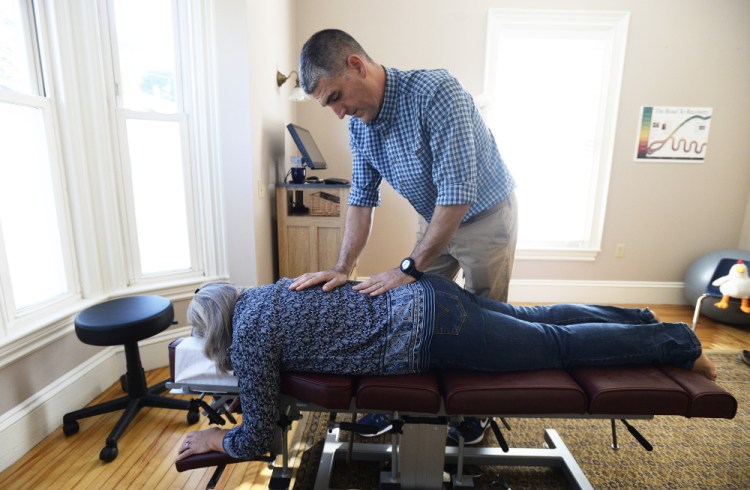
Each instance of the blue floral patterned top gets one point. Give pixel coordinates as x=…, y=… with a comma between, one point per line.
x=338, y=332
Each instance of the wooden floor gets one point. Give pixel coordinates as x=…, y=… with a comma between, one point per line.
x=148, y=447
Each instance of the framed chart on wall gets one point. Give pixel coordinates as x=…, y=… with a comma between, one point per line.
x=673, y=134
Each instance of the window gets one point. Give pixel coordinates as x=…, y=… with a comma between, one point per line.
x=553, y=81
x=152, y=127
x=100, y=144
x=36, y=263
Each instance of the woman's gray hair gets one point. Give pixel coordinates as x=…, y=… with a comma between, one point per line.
x=326, y=54
x=210, y=313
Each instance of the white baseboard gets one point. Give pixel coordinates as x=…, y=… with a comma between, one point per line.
x=597, y=292
x=25, y=425
x=593, y=292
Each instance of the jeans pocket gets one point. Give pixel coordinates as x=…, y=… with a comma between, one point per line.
x=450, y=313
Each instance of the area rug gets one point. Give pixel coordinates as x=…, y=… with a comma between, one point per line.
x=688, y=453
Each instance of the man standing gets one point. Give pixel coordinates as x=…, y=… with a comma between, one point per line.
x=421, y=131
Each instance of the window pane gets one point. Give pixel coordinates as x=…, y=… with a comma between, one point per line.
x=546, y=121
x=28, y=218
x=155, y=152
x=146, y=55
x=15, y=59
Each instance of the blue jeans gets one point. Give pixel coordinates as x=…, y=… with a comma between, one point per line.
x=476, y=333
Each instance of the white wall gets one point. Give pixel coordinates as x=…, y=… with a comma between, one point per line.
x=253, y=43
x=745, y=238
x=232, y=82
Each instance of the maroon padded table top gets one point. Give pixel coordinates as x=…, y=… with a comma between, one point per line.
x=616, y=390
x=546, y=391
x=620, y=391
x=405, y=393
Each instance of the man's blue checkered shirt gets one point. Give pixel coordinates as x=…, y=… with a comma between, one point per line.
x=430, y=143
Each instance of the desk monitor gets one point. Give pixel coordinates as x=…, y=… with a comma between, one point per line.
x=310, y=154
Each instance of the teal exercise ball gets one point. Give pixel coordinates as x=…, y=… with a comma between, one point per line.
x=698, y=278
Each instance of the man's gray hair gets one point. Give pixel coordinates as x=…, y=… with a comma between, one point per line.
x=210, y=313
x=326, y=54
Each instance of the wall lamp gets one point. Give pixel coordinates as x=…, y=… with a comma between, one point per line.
x=297, y=95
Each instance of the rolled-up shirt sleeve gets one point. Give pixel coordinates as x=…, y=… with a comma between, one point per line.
x=365, y=190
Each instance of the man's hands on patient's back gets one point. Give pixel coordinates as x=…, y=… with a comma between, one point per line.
x=331, y=279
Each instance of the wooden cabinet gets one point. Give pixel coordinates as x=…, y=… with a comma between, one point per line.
x=310, y=221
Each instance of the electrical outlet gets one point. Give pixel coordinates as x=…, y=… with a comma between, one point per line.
x=620, y=251
x=261, y=189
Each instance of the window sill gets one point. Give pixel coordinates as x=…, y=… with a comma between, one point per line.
x=47, y=329
x=580, y=255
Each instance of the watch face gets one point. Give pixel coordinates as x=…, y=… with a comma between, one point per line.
x=405, y=264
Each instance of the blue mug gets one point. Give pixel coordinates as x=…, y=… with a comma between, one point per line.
x=298, y=175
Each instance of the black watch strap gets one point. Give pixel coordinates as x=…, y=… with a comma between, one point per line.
x=408, y=266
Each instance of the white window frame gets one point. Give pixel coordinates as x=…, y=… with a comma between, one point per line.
x=614, y=25
x=15, y=323
x=123, y=115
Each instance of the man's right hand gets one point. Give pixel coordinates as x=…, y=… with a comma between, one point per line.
x=331, y=279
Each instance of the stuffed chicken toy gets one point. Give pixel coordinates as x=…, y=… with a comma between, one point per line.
x=736, y=284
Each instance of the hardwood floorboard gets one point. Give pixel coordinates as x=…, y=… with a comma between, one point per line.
x=148, y=447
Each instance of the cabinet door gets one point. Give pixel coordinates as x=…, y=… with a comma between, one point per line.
x=308, y=243
x=327, y=244
x=297, y=251
x=309, y=248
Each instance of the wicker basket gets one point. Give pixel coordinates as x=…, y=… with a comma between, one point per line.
x=324, y=204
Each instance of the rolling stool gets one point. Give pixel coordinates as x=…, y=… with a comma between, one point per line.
x=125, y=321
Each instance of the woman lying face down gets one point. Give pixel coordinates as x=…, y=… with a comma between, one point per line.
x=429, y=324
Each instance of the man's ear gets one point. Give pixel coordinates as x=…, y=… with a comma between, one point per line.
x=357, y=64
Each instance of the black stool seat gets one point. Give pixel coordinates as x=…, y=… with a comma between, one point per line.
x=125, y=321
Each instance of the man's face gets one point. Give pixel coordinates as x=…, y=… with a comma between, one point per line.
x=348, y=95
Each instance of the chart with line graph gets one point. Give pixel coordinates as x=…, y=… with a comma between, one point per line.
x=673, y=133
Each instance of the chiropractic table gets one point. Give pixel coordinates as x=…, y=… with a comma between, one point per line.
x=421, y=406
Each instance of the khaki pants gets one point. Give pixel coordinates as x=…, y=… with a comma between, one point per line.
x=483, y=249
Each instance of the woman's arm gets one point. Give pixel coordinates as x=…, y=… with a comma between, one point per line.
x=254, y=436
x=255, y=355
x=256, y=358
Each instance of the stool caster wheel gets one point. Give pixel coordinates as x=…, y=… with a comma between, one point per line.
x=124, y=383
x=108, y=453
x=193, y=417
x=70, y=428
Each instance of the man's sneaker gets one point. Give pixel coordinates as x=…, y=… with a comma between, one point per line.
x=474, y=430
x=379, y=422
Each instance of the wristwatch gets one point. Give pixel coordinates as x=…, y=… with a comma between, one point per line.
x=408, y=266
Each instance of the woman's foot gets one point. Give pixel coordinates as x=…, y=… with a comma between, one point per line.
x=653, y=314
x=705, y=366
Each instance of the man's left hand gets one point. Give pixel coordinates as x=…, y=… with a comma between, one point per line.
x=385, y=281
